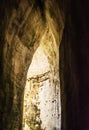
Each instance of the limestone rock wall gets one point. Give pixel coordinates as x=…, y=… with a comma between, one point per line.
x=22, y=25
x=43, y=90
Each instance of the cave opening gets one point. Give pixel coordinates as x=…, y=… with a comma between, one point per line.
x=42, y=106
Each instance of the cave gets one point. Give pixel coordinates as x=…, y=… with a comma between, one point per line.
x=42, y=109
x=55, y=34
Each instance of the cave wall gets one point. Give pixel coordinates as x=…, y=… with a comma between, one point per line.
x=43, y=109
x=16, y=58
x=82, y=52
x=14, y=30
x=23, y=24
x=69, y=78
x=17, y=53
x=74, y=68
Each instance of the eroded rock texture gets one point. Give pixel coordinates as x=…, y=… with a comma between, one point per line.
x=23, y=25
x=42, y=107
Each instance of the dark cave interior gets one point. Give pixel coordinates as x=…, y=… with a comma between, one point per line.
x=23, y=23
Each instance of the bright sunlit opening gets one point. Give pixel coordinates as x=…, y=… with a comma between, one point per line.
x=41, y=110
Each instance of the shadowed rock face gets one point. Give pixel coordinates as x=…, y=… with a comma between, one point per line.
x=23, y=23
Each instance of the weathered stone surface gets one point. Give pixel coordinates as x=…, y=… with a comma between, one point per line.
x=23, y=34
x=23, y=25
x=42, y=90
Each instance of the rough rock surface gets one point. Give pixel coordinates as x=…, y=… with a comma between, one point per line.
x=23, y=24
x=42, y=107
x=26, y=24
